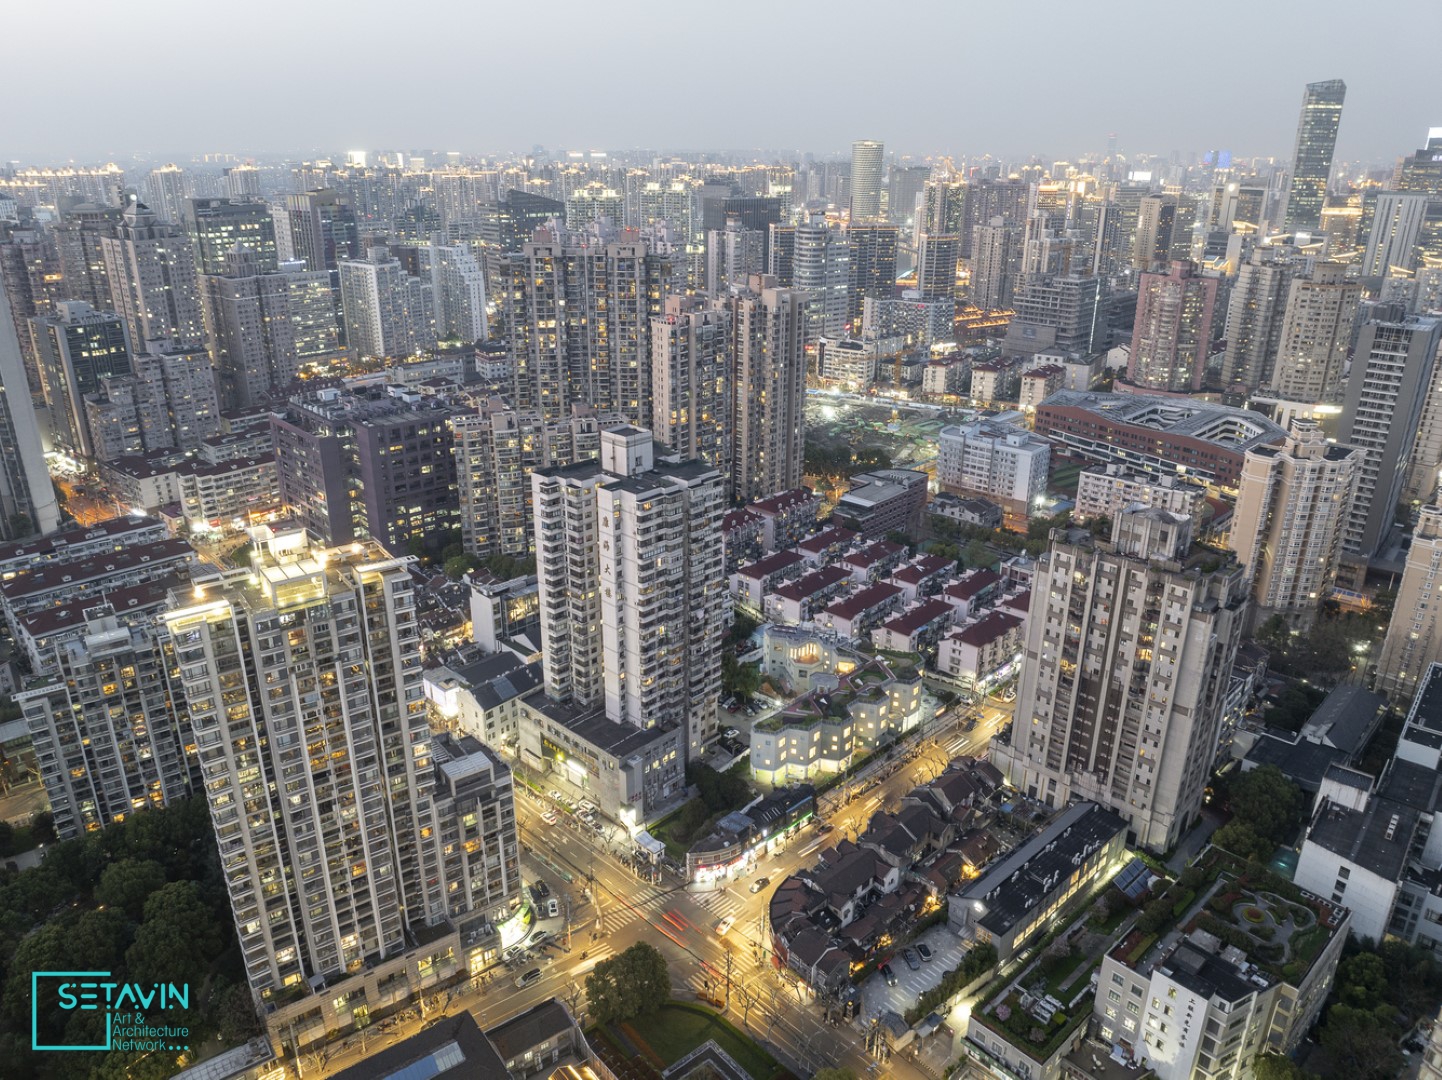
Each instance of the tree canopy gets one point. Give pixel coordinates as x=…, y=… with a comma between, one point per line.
x=1266, y=801
x=143, y=899
x=635, y=983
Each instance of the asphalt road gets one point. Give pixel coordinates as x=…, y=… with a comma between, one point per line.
x=624, y=908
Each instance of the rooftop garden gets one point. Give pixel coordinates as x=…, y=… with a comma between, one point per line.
x=1032, y=1024
x=1280, y=933
x=1281, y=928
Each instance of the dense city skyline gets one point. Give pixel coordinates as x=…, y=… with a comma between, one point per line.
x=986, y=96
x=478, y=595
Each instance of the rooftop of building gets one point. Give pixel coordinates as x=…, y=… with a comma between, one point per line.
x=923, y=567
x=1346, y=718
x=866, y=682
x=1426, y=711
x=375, y=404
x=1012, y=888
x=1376, y=838
x=537, y=1025
x=1301, y=761
x=592, y=726
x=811, y=584
x=972, y=584
x=1210, y=975
x=873, y=553
x=863, y=600
x=923, y=614
x=736, y=520
x=833, y=535
x=1412, y=785
x=993, y=428
x=147, y=596
x=770, y=564
x=784, y=501
x=1340, y=774
x=1125, y=473
x=452, y=1049
x=49, y=576
x=55, y=545
x=1236, y=429
x=990, y=627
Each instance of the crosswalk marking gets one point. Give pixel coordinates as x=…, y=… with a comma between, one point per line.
x=616, y=914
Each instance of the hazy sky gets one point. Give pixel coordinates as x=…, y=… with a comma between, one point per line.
x=96, y=79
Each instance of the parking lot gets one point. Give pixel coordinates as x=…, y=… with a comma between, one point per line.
x=877, y=997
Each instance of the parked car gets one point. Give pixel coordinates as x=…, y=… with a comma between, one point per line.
x=759, y=884
x=911, y=959
x=530, y=978
x=888, y=974
x=732, y=733
x=924, y=950
x=553, y=795
x=540, y=937
x=542, y=888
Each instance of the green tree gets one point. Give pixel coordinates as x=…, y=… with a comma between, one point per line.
x=636, y=983
x=457, y=566
x=42, y=827
x=742, y=627
x=127, y=884
x=1155, y=915
x=944, y=528
x=1276, y=1067
x=1275, y=633
x=1362, y=1043
x=178, y=929
x=977, y=553
x=1242, y=840
x=7, y=838
x=1267, y=801
x=737, y=678
x=719, y=791
x=238, y=1021
x=1293, y=707
x=1362, y=981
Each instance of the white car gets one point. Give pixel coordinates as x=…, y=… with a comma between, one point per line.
x=553, y=795
x=724, y=926
x=550, y=817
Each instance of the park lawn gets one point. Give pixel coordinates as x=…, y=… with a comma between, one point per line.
x=676, y=1030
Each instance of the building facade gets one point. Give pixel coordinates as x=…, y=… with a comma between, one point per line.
x=633, y=605
x=1172, y=335
x=998, y=461
x=1393, y=365
x=1292, y=505
x=768, y=386
x=1129, y=648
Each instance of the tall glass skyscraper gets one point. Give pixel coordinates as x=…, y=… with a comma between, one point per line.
x=1312, y=161
x=867, y=165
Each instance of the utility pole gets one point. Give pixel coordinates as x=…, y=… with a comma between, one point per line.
x=728, y=979
x=566, y=902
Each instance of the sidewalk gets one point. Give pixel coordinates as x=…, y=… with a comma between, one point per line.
x=1191, y=845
